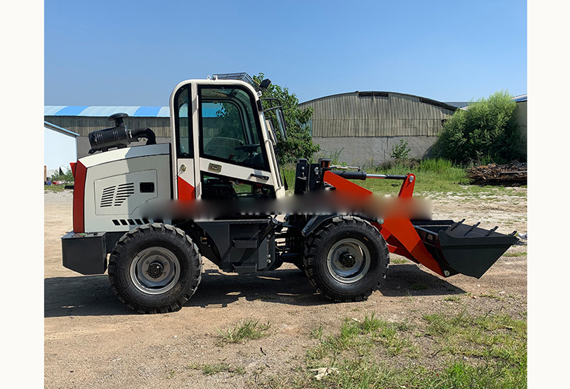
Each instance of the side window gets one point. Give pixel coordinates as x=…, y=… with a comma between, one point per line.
x=228, y=128
x=183, y=123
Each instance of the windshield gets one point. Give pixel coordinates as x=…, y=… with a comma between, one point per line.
x=229, y=131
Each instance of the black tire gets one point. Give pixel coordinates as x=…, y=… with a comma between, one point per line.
x=346, y=259
x=155, y=268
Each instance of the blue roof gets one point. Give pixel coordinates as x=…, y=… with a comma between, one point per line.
x=104, y=111
x=96, y=111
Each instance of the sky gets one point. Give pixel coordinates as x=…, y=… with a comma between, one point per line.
x=135, y=52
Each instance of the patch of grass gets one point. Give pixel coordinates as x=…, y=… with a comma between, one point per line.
x=364, y=373
x=491, y=296
x=360, y=337
x=55, y=188
x=455, y=299
x=317, y=333
x=246, y=330
x=488, y=336
x=433, y=177
x=471, y=351
x=522, y=254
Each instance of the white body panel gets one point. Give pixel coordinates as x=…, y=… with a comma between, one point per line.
x=113, y=193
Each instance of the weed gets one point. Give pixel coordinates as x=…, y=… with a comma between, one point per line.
x=246, y=330
x=523, y=254
x=400, y=151
x=317, y=333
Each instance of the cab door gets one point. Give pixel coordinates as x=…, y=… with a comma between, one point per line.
x=233, y=160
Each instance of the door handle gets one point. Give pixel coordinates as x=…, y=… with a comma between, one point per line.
x=181, y=169
x=260, y=176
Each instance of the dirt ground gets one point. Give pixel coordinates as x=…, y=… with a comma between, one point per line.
x=92, y=341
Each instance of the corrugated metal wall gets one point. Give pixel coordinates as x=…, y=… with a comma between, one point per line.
x=371, y=114
x=83, y=125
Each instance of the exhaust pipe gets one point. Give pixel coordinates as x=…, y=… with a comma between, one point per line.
x=118, y=136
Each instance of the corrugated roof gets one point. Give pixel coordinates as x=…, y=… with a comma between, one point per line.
x=384, y=94
x=105, y=111
x=458, y=104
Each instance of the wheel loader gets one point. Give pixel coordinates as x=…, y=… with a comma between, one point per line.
x=148, y=213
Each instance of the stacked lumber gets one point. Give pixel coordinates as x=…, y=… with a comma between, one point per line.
x=513, y=174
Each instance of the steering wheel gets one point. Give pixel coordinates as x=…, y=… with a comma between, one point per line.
x=247, y=148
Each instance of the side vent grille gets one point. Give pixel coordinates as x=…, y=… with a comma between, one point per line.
x=126, y=222
x=116, y=195
x=107, y=196
x=123, y=193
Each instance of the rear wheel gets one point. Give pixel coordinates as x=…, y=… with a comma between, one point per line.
x=346, y=259
x=155, y=268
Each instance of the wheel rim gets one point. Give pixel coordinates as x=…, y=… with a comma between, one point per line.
x=348, y=260
x=155, y=270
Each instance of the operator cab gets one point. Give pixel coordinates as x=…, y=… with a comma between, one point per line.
x=224, y=146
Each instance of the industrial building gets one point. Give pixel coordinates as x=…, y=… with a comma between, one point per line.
x=359, y=128
x=85, y=119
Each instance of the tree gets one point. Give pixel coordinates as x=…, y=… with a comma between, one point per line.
x=486, y=131
x=299, y=142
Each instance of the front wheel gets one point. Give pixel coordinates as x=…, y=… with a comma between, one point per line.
x=346, y=259
x=155, y=268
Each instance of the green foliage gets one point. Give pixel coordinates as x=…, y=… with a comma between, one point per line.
x=299, y=142
x=432, y=175
x=400, y=151
x=65, y=176
x=486, y=131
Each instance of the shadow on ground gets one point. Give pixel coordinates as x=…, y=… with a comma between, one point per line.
x=92, y=295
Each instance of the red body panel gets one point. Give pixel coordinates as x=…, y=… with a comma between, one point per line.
x=79, y=174
x=186, y=192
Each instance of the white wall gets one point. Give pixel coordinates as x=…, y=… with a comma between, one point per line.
x=371, y=151
x=59, y=150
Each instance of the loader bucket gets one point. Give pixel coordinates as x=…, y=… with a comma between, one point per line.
x=461, y=248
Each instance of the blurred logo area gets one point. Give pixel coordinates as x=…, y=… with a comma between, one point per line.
x=329, y=202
